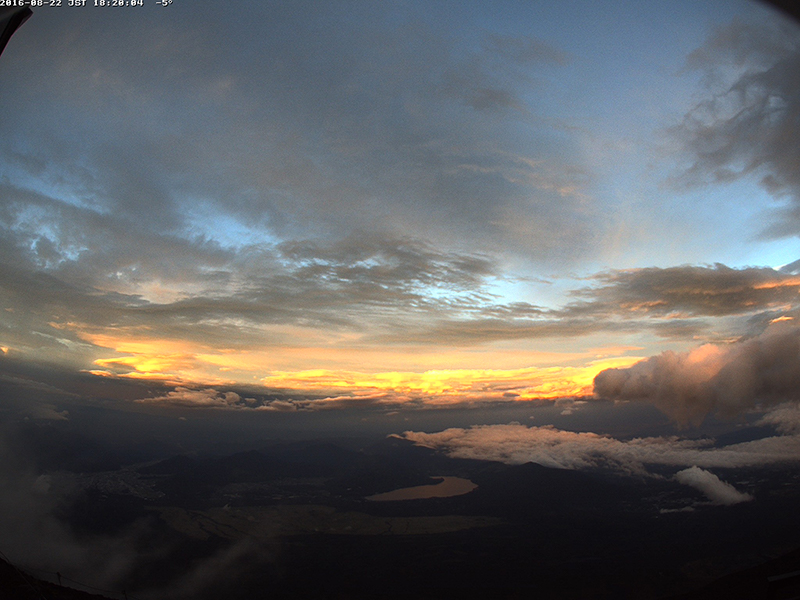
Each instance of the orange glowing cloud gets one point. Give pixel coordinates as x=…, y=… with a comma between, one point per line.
x=148, y=358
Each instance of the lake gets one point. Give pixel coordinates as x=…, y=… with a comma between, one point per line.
x=448, y=486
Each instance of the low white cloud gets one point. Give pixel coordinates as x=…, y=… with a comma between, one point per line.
x=516, y=444
x=716, y=490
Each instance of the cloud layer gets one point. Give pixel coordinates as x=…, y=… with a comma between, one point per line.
x=360, y=191
x=551, y=447
x=381, y=122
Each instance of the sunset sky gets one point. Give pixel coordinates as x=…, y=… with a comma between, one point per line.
x=431, y=203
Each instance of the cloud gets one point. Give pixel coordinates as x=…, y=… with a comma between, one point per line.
x=526, y=49
x=49, y=412
x=785, y=418
x=384, y=122
x=219, y=571
x=280, y=406
x=677, y=302
x=728, y=380
x=569, y=406
x=551, y=447
x=386, y=293
x=712, y=486
x=242, y=301
x=279, y=207
x=388, y=263
x=208, y=398
x=39, y=534
x=34, y=536
x=747, y=126
x=687, y=290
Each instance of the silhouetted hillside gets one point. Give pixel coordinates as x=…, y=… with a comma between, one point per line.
x=777, y=579
x=18, y=585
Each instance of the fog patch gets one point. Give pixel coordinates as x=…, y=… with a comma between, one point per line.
x=35, y=537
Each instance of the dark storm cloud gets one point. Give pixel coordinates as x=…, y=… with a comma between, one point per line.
x=762, y=371
x=748, y=126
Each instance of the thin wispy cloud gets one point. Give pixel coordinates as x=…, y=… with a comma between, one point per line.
x=746, y=126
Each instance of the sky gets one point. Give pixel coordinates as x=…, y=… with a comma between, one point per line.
x=294, y=205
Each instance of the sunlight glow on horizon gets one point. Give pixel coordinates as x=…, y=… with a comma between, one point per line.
x=181, y=363
x=493, y=201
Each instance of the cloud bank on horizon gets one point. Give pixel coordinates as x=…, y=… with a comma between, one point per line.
x=549, y=446
x=406, y=204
